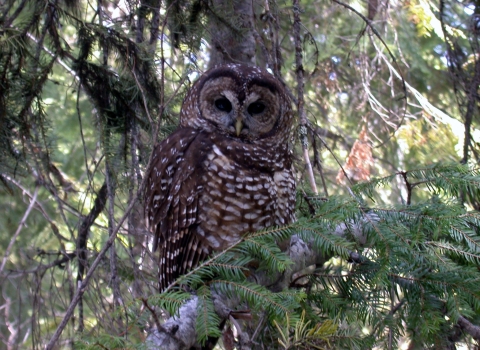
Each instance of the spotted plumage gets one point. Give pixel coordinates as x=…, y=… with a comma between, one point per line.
x=226, y=171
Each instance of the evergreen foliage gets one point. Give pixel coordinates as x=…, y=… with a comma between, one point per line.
x=416, y=274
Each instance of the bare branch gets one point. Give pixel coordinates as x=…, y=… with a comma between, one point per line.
x=297, y=25
x=83, y=287
x=469, y=327
x=19, y=229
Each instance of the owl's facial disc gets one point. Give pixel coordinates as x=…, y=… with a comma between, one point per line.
x=241, y=110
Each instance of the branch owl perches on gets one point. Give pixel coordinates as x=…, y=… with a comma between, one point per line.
x=226, y=171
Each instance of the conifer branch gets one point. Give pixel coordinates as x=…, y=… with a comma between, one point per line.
x=177, y=334
x=421, y=273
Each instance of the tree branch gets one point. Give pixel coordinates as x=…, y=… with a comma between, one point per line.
x=20, y=226
x=300, y=89
x=469, y=328
x=178, y=332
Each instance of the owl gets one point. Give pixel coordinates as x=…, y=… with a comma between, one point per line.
x=226, y=171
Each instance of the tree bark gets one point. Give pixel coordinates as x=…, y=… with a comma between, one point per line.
x=231, y=29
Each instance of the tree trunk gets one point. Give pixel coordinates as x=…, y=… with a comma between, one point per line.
x=231, y=27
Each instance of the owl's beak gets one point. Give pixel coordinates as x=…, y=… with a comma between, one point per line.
x=238, y=126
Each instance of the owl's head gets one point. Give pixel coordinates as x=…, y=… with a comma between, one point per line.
x=243, y=102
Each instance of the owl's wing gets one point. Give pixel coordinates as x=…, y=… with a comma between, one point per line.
x=172, y=197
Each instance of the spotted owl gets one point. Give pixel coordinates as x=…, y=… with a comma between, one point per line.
x=226, y=171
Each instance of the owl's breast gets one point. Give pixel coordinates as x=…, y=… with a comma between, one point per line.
x=237, y=199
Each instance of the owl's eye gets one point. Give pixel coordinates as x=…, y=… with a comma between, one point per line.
x=256, y=108
x=223, y=104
